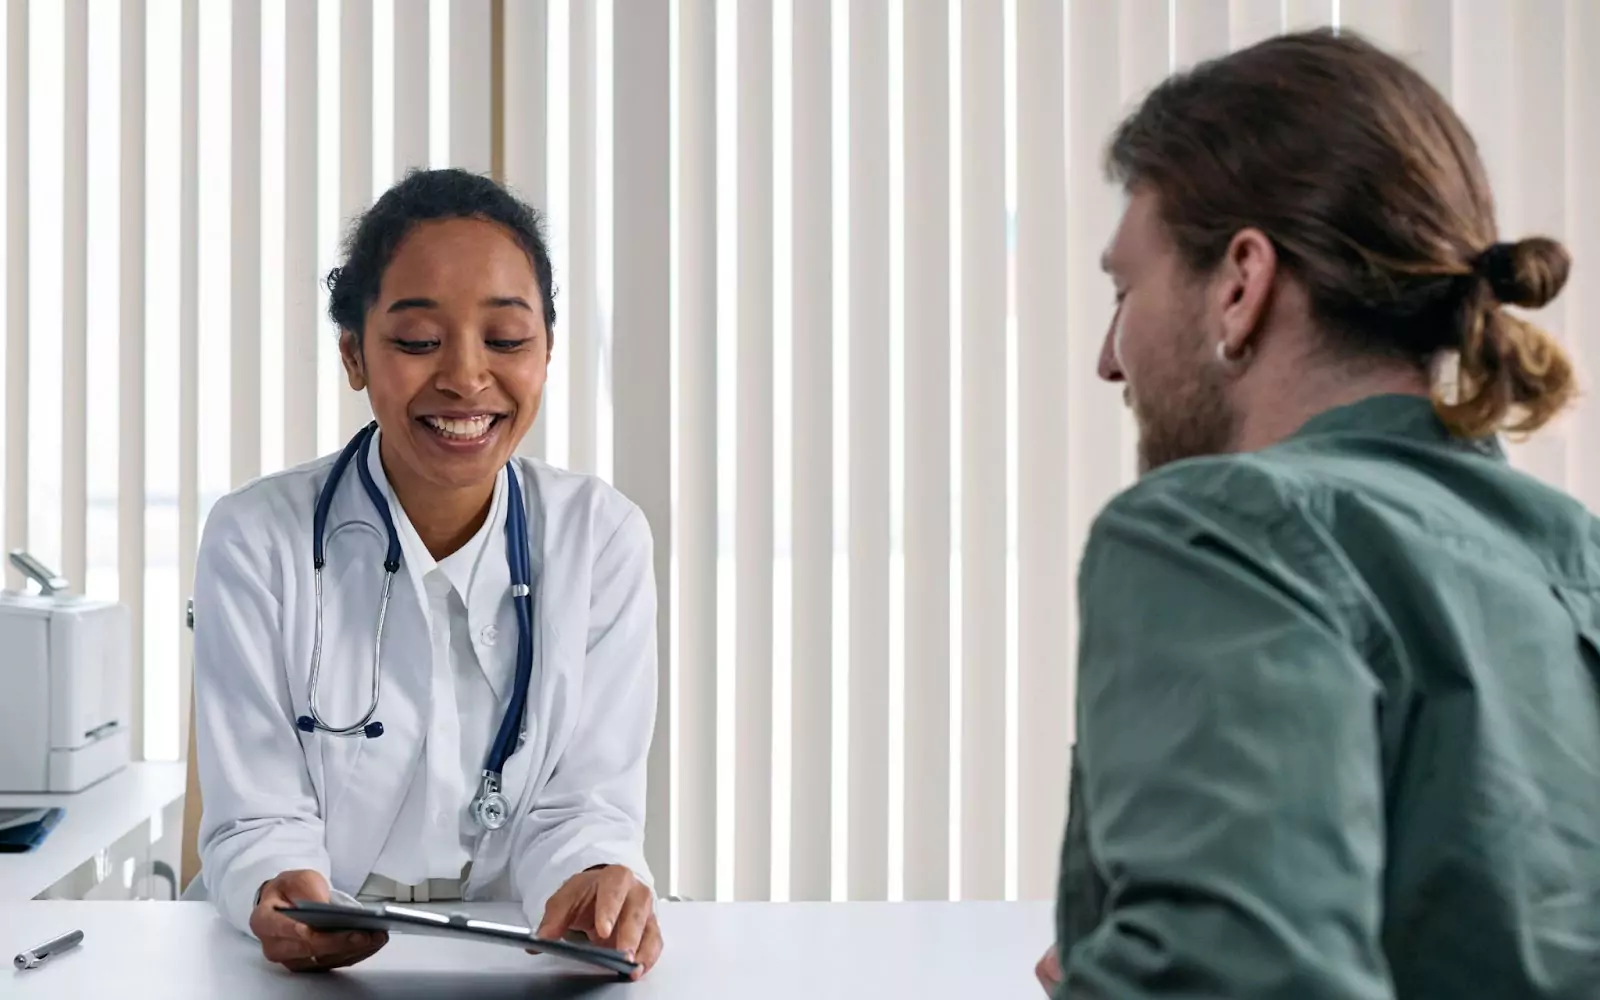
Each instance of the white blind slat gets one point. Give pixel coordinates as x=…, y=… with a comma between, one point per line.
x=696, y=283
x=303, y=324
x=642, y=200
x=188, y=349
x=1583, y=233
x=1431, y=44
x=244, y=356
x=1301, y=15
x=1538, y=158
x=1144, y=61
x=17, y=239
x=1200, y=30
x=412, y=74
x=1383, y=22
x=1416, y=30
x=753, y=528
x=74, y=373
x=1250, y=21
x=1094, y=444
x=927, y=450
x=869, y=450
x=812, y=396
x=524, y=61
x=1484, y=78
x=983, y=450
x=1045, y=360
x=355, y=159
x=581, y=330
x=471, y=139
x=131, y=496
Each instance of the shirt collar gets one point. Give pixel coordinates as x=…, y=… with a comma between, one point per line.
x=458, y=571
x=1394, y=415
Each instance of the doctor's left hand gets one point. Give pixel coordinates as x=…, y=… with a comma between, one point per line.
x=612, y=908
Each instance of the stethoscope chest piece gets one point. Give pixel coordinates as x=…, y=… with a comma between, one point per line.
x=490, y=808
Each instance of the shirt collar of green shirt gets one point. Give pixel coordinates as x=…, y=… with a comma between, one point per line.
x=1394, y=415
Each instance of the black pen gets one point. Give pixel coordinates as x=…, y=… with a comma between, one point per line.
x=34, y=957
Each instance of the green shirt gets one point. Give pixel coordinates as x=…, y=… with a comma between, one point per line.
x=1338, y=726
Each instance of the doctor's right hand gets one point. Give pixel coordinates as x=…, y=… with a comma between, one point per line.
x=296, y=946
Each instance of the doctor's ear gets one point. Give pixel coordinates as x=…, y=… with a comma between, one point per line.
x=355, y=369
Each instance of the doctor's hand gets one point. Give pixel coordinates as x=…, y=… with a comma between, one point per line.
x=610, y=907
x=293, y=944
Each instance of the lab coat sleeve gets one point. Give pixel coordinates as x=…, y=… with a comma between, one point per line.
x=1228, y=747
x=591, y=811
x=260, y=813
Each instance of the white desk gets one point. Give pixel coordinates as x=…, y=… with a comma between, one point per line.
x=110, y=822
x=714, y=951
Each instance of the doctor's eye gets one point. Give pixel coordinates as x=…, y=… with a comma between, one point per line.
x=414, y=346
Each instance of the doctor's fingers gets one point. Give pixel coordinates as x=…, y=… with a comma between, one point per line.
x=631, y=923
x=333, y=960
x=321, y=945
x=614, y=896
x=649, y=949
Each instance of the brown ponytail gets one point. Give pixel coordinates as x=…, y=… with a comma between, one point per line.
x=1513, y=375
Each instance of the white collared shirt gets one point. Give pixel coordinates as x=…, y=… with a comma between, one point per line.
x=434, y=835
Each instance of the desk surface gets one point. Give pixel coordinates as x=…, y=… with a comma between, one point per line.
x=94, y=819
x=715, y=951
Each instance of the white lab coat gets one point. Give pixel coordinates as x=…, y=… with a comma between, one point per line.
x=276, y=798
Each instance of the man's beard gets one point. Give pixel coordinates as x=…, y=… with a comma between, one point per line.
x=1188, y=419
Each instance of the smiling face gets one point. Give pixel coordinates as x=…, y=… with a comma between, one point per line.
x=1162, y=344
x=454, y=356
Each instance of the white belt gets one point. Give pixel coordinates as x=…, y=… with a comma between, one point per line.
x=378, y=888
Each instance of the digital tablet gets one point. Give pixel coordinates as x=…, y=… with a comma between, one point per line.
x=406, y=920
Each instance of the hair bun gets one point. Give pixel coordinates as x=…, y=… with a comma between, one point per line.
x=1528, y=273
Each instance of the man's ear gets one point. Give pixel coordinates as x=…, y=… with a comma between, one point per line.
x=355, y=368
x=1249, y=273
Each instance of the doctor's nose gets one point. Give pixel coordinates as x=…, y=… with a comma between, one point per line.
x=463, y=369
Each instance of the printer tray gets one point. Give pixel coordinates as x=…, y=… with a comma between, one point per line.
x=22, y=837
x=405, y=920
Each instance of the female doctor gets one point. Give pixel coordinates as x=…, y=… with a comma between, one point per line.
x=424, y=668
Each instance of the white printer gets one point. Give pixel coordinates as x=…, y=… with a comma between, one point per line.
x=65, y=665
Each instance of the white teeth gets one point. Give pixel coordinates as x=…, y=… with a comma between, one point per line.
x=461, y=429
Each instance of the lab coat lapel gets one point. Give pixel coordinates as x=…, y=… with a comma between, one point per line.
x=365, y=797
x=547, y=648
x=489, y=606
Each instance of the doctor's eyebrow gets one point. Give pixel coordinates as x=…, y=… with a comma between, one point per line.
x=507, y=302
x=402, y=305
x=493, y=302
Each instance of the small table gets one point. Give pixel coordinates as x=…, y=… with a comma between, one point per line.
x=108, y=835
x=715, y=951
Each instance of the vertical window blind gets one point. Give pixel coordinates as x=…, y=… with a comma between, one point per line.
x=830, y=311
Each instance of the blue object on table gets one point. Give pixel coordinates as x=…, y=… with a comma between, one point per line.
x=26, y=829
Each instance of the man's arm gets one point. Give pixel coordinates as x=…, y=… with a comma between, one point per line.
x=1228, y=745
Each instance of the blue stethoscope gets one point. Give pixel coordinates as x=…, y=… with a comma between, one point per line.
x=489, y=807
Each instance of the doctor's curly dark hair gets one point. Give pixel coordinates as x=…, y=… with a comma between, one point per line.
x=424, y=196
